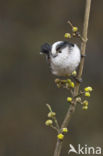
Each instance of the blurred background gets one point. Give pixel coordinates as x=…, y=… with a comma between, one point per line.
x=26, y=83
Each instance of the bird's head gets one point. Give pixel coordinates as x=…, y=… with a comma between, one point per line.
x=60, y=47
x=57, y=48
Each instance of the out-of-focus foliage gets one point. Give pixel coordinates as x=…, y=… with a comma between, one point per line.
x=26, y=83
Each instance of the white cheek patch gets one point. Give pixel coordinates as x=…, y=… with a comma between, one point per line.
x=53, y=52
x=53, y=48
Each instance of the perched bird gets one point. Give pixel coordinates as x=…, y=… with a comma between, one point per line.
x=63, y=57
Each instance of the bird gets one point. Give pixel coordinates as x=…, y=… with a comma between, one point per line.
x=63, y=57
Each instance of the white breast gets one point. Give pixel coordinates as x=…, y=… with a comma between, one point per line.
x=66, y=62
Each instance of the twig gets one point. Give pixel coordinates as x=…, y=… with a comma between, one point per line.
x=49, y=107
x=54, y=118
x=55, y=128
x=79, y=75
x=69, y=22
x=56, y=123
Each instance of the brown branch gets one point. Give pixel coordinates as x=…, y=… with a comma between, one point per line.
x=79, y=75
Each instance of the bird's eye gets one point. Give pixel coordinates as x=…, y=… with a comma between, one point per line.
x=59, y=51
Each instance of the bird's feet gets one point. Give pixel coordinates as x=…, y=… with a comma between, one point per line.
x=79, y=80
x=83, y=55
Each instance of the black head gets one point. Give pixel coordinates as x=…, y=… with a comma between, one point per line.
x=45, y=48
x=63, y=45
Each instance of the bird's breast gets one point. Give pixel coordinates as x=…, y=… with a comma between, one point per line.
x=65, y=63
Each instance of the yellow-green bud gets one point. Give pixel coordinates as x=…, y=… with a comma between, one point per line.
x=60, y=136
x=72, y=84
x=48, y=122
x=67, y=85
x=75, y=29
x=74, y=34
x=63, y=81
x=78, y=99
x=87, y=94
x=69, y=99
x=85, y=103
x=51, y=114
x=88, y=89
x=64, y=130
x=69, y=80
x=67, y=35
x=58, y=85
x=85, y=107
x=74, y=73
x=57, y=80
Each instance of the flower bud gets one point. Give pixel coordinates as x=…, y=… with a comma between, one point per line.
x=78, y=99
x=72, y=84
x=85, y=103
x=87, y=94
x=48, y=122
x=74, y=73
x=58, y=85
x=69, y=99
x=64, y=130
x=69, y=80
x=88, y=89
x=74, y=34
x=57, y=80
x=63, y=81
x=67, y=35
x=75, y=29
x=60, y=136
x=51, y=114
x=85, y=107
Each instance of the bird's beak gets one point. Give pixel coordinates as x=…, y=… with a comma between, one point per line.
x=41, y=53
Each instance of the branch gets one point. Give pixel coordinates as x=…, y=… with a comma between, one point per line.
x=54, y=118
x=79, y=75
